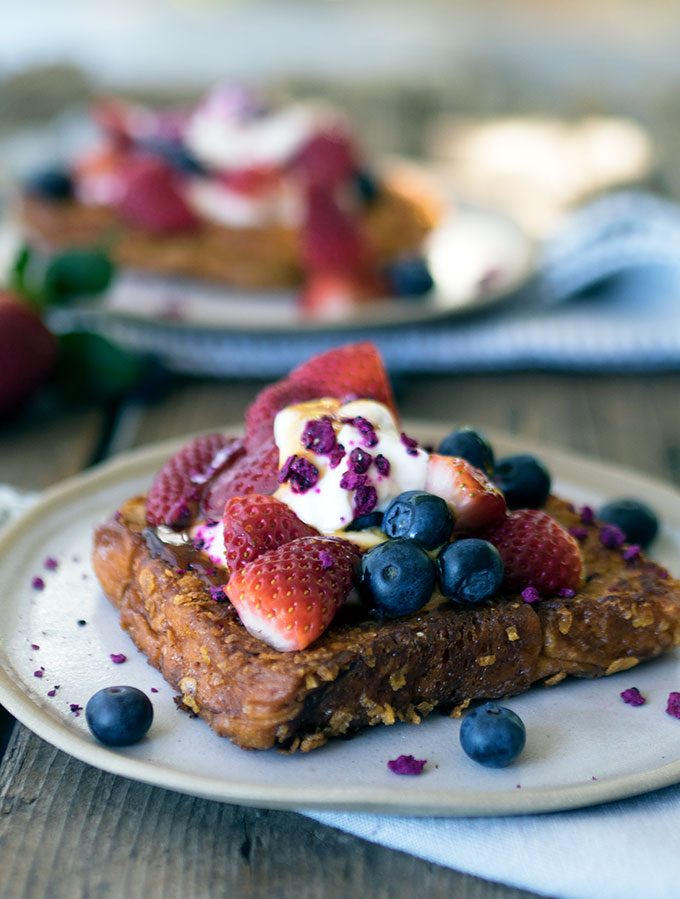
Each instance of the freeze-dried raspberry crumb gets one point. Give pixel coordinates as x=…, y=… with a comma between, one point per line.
x=154, y=689
x=612, y=537
x=218, y=594
x=76, y=709
x=319, y=436
x=300, y=473
x=117, y=658
x=325, y=558
x=633, y=696
x=34, y=646
x=406, y=764
x=410, y=444
x=382, y=464
x=673, y=706
x=530, y=594
x=50, y=563
x=359, y=460
x=53, y=691
x=578, y=533
x=587, y=515
x=39, y=673
x=567, y=592
x=352, y=481
x=631, y=553
x=365, y=428
x=336, y=455
x=37, y=583
x=365, y=500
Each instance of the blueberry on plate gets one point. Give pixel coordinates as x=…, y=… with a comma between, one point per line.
x=523, y=480
x=469, y=444
x=419, y=516
x=469, y=570
x=637, y=521
x=50, y=184
x=119, y=716
x=409, y=276
x=364, y=522
x=397, y=578
x=492, y=735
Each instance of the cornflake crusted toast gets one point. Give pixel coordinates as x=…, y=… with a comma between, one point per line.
x=165, y=563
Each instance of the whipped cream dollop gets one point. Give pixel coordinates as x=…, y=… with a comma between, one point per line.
x=340, y=461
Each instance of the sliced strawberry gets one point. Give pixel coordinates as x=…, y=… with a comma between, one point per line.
x=536, y=551
x=150, y=198
x=326, y=159
x=354, y=371
x=256, y=524
x=254, y=472
x=27, y=352
x=262, y=411
x=332, y=241
x=332, y=295
x=472, y=498
x=288, y=596
x=177, y=488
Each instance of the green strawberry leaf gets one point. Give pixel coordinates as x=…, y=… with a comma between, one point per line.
x=77, y=273
x=92, y=368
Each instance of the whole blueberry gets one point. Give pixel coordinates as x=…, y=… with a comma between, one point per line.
x=119, y=716
x=363, y=522
x=397, y=578
x=492, y=735
x=419, y=516
x=469, y=570
x=409, y=276
x=469, y=444
x=637, y=521
x=523, y=480
x=50, y=184
x=367, y=186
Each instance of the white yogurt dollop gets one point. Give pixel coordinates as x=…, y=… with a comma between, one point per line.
x=393, y=465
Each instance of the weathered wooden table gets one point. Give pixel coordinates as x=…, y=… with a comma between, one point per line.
x=68, y=830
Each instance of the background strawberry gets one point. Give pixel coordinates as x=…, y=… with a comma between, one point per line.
x=331, y=238
x=262, y=411
x=326, y=159
x=536, y=551
x=150, y=198
x=473, y=499
x=28, y=352
x=255, y=524
x=255, y=472
x=288, y=596
x=177, y=488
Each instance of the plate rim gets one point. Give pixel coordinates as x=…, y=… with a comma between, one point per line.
x=451, y=803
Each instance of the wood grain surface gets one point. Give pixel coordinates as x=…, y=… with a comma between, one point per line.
x=69, y=830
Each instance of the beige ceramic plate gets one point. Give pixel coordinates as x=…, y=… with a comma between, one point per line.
x=584, y=746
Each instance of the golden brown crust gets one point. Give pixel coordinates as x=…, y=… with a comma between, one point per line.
x=264, y=257
x=362, y=672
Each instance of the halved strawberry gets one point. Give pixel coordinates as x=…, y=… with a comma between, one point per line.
x=327, y=159
x=150, y=198
x=472, y=498
x=332, y=240
x=256, y=524
x=536, y=551
x=254, y=472
x=353, y=371
x=177, y=488
x=348, y=372
x=288, y=596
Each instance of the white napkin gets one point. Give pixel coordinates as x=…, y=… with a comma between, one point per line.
x=622, y=850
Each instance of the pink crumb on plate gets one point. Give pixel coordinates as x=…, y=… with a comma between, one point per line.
x=673, y=706
x=406, y=764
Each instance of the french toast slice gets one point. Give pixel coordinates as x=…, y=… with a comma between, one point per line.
x=362, y=672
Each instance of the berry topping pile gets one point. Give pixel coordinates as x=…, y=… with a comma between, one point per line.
x=326, y=497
